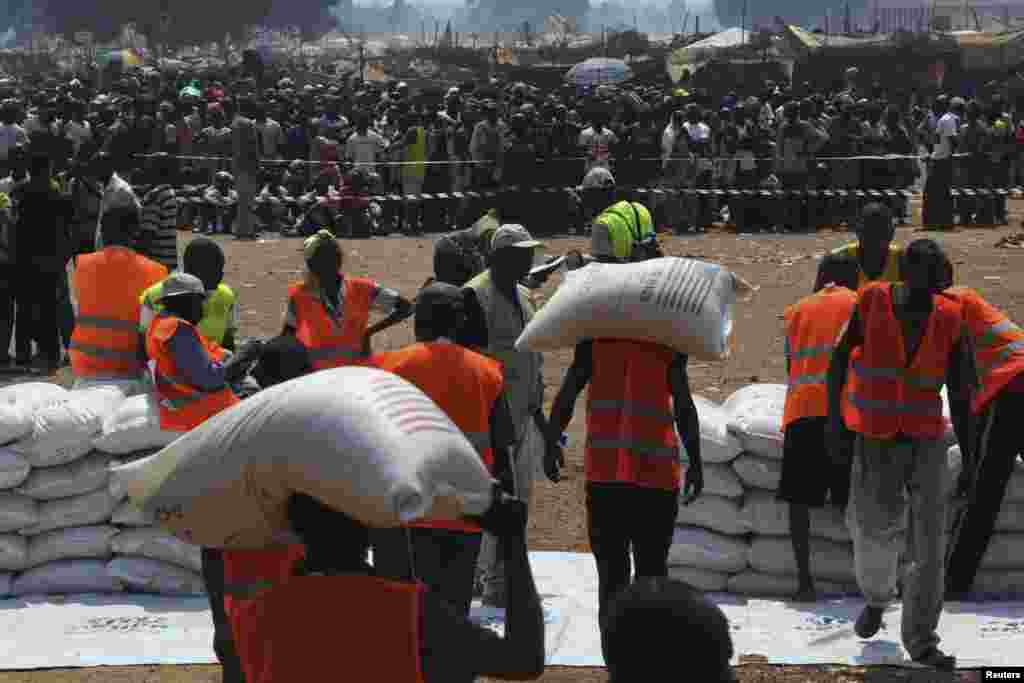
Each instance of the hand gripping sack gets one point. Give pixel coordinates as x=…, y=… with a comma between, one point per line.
x=76, y=543
x=717, y=445
x=707, y=550
x=84, y=510
x=144, y=575
x=63, y=432
x=14, y=469
x=360, y=440
x=765, y=515
x=157, y=544
x=135, y=426
x=757, y=584
x=830, y=561
x=66, y=576
x=756, y=418
x=714, y=513
x=701, y=579
x=722, y=480
x=65, y=481
x=17, y=512
x=757, y=472
x=680, y=303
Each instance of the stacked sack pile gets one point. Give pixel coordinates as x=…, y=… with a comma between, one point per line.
x=63, y=527
x=735, y=537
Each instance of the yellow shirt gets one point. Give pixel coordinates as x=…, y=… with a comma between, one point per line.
x=891, y=272
x=220, y=313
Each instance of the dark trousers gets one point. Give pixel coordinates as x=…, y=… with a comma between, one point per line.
x=65, y=311
x=628, y=525
x=1002, y=441
x=444, y=560
x=223, y=639
x=938, y=201
x=36, y=297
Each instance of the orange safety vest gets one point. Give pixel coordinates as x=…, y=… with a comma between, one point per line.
x=631, y=433
x=248, y=571
x=105, y=342
x=182, y=407
x=463, y=384
x=885, y=396
x=333, y=343
x=998, y=345
x=813, y=326
x=308, y=626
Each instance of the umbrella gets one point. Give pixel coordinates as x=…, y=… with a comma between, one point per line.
x=599, y=71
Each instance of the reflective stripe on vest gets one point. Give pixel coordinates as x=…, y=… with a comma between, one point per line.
x=181, y=402
x=810, y=352
x=1003, y=356
x=105, y=323
x=804, y=380
x=631, y=408
x=652, y=450
x=899, y=375
x=897, y=407
x=102, y=352
x=991, y=336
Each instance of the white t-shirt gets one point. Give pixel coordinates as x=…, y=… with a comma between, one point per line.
x=364, y=149
x=946, y=129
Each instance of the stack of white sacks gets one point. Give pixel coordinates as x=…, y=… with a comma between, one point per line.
x=62, y=527
x=735, y=537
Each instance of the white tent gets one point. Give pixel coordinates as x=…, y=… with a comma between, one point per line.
x=696, y=55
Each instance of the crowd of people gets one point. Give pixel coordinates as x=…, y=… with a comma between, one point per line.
x=98, y=179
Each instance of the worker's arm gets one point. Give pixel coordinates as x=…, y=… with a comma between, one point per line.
x=837, y=372
x=458, y=649
x=290, y=323
x=503, y=436
x=962, y=380
x=394, y=305
x=576, y=378
x=193, y=363
x=688, y=425
x=232, y=328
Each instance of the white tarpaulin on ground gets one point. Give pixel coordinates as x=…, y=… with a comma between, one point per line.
x=131, y=629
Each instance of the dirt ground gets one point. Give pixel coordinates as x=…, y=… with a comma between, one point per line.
x=783, y=266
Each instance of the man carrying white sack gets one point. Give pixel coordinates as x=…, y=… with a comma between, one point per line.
x=639, y=395
x=903, y=342
x=498, y=308
x=812, y=327
x=469, y=388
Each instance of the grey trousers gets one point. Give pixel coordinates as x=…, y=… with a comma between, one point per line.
x=526, y=464
x=887, y=475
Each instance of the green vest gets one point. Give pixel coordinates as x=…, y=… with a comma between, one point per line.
x=217, y=310
x=622, y=220
x=524, y=388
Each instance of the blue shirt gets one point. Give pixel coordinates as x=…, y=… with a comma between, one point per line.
x=194, y=364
